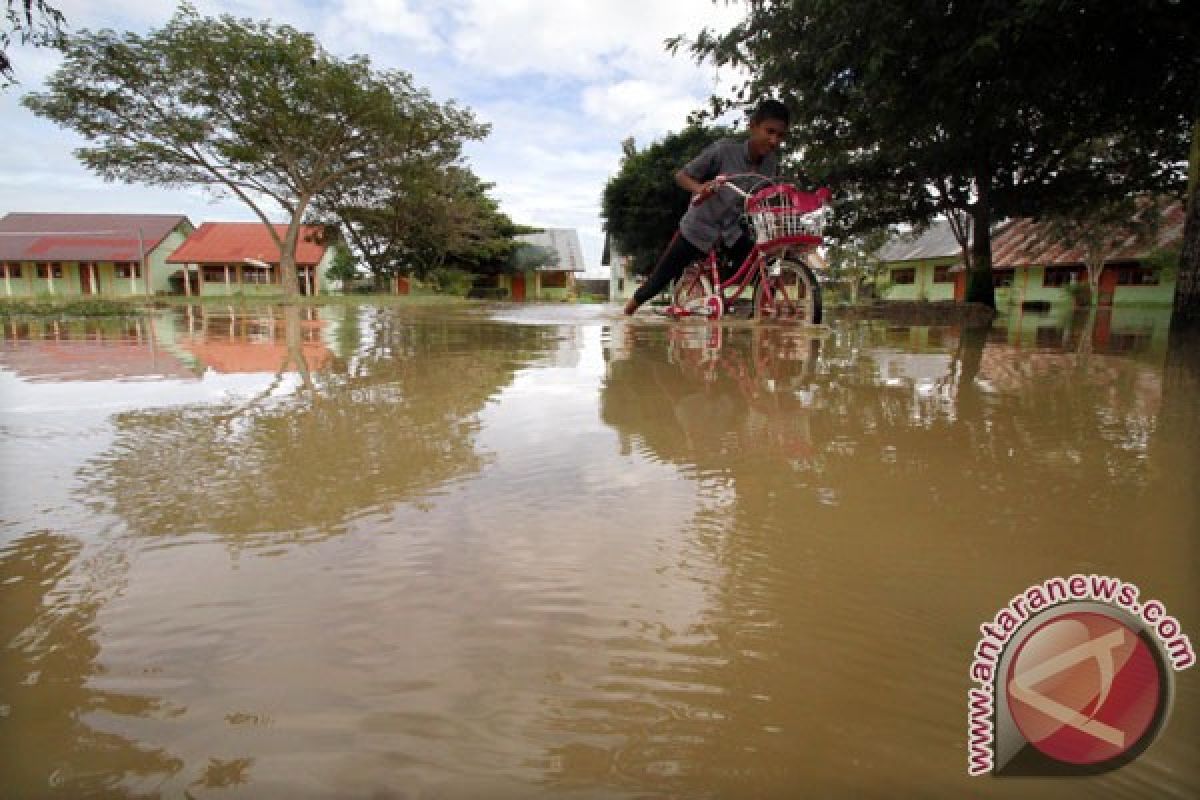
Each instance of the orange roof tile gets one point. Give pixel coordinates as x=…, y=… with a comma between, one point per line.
x=234, y=242
x=1023, y=242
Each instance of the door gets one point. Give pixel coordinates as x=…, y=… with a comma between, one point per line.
x=518, y=286
x=87, y=278
x=1107, y=286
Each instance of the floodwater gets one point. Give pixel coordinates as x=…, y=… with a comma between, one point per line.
x=538, y=551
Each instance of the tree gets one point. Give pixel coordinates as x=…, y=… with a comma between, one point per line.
x=436, y=214
x=464, y=227
x=977, y=111
x=642, y=204
x=33, y=22
x=854, y=258
x=1187, y=286
x=531, y=256
x=344, y=267
x=1103, y=228
x=245, y=108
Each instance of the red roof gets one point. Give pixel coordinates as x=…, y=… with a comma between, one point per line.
x=82, y=237
x=1024, y=242
x=234, y=242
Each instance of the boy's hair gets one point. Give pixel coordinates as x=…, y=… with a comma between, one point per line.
x=771, y=109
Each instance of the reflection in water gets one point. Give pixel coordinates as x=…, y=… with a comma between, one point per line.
x=371, y=428
x=555, y=551
x=53, y=736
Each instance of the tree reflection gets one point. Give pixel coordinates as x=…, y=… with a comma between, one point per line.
x=47, y=676
x=391, y=419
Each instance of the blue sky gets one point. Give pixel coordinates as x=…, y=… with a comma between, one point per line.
x=561, y=82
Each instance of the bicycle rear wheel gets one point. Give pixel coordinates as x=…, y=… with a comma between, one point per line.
x=794, y=294
x=693, y=292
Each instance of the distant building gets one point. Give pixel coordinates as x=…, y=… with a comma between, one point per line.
x=114, y=255
x=1029, y=266
x=225, y=258
x=554, y=281
x=621, y=281
x=923, y=265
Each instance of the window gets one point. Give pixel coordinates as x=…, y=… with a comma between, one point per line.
x=215, y=275
x=256, y=275
x=554, y=280
x=1058, y=276
x=1002, y=278
x=12, y=270
x=45, y=270
x=1137, y=276
x=905, y=276
x=125, y=269
x=942, y=274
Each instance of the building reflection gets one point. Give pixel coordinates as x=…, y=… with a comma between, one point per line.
x=391, y=418
x=41, y=350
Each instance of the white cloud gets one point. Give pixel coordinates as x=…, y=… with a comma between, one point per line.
x=577, y=38
x=388, y=17
x=641, y=107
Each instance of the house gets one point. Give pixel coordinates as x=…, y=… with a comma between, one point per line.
x=88, y=254
x=622, y=283
x=1029, y=266
x=921, y=266
x=554, y=281
x=227, y=258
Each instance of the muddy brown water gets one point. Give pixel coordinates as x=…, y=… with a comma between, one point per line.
x=540, y=551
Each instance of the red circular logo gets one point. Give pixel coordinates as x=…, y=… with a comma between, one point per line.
x=1083, y=688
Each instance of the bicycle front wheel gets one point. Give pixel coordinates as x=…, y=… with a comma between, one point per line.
x=794, y=293
x=693, y=292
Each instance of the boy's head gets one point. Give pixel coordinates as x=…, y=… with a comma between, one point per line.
x=768, y=125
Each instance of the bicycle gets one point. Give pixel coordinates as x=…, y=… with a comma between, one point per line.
x=787, y=223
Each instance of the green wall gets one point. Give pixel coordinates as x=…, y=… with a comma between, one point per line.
x=923, y=286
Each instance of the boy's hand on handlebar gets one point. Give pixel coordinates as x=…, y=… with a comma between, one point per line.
x=707, y=190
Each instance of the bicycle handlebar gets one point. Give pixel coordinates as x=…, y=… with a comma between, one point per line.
x=725, y=182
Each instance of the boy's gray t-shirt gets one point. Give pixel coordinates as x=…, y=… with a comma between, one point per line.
x=717, y=217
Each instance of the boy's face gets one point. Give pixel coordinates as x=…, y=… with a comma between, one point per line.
x=766, y=136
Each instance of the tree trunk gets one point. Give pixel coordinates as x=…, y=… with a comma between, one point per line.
x=980, y=288
x=1187, y=284
x=287, y=251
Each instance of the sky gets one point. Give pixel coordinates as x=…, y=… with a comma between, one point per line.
x=561, y=82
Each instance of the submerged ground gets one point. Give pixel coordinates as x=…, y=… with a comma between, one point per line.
x=511, y=551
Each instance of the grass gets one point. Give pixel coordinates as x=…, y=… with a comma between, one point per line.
x=50, y=306
x=46, y=306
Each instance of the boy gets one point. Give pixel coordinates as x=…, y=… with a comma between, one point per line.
x=717, y=217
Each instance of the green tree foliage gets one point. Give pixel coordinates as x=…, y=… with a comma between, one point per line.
x=344, y=267
x=1101, y=229
x=246, y=108
x=986, y=110
x=531, y=256
x=642, y=204
x=432, y=216
x=32, y=22
x=854, y=261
